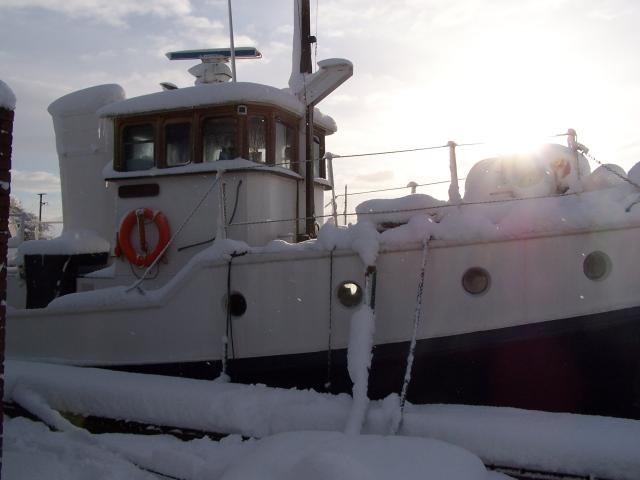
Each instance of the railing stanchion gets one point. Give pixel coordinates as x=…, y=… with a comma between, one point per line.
x=454, y=189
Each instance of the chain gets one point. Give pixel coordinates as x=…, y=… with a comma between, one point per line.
x=610, y=170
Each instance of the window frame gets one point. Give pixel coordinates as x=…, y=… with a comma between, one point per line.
x=290, y=121
x=220, y=112
x=162, y=158
x=196, y=117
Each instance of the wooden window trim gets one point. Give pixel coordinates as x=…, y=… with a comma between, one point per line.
x=162, y=158
x=322, y=167
x=228, y=111
x=119, y=141
x=290, y=121
x=197, y=117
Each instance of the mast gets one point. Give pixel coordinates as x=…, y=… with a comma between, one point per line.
x=306, y=68
x=233, y=48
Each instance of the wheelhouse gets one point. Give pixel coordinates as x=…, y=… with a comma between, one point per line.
x=262, y=134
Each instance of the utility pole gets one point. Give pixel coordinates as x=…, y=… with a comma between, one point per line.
x=41, y=204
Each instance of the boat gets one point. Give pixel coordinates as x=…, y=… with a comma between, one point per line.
x=196, y=245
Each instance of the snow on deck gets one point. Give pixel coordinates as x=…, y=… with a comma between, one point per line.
x=75, y=242
x=7, y=97
x=578, y=444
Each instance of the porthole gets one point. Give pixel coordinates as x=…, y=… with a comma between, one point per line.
x=596, y=266
x=349, y=294
x=237, y=304
x=476, y=280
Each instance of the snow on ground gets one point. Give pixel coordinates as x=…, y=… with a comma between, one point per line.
x=33, y=451
x=600, y=446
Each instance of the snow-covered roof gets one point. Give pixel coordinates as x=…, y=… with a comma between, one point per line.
x=87, y=100
x=214, y=94
x=7, y=98
x=203, y=95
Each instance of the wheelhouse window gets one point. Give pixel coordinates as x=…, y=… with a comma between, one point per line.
x=219, y=139
x=257, y=139
x=178, y=143
x=316, y=156
x=284, y=144
x=138, y=147
x=262, y=134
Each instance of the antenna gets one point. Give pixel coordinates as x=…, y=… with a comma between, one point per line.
x=233, y=50
x=213, y=68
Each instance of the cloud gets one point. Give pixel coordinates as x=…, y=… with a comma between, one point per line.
x=381, y=177
x=107, y=11
x=34, y=182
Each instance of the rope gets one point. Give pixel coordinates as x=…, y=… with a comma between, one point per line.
x=229, y=330
x=175, y=235
x=419, y=149
x=610, y=170
x=328, y=384
x=406, y=210
x=440, y=182
x=412, y=347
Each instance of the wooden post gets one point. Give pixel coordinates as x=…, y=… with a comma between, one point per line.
x=306, y=68
x=305, y=35
x=6, y=129
x=345, y=204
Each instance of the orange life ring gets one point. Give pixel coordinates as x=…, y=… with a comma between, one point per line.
x=124, y=236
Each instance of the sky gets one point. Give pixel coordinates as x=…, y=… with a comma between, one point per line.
x=508, y=73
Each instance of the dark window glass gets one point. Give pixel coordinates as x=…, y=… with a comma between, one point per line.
x=476, y=280
x=257, y=138
x=316, y=157
x=138, y=147
x=219, y=139
x=350, y=294
x=597, y=265
x=178, y=141
x=284, y=144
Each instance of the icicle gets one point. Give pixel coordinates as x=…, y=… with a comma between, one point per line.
x=361, y=332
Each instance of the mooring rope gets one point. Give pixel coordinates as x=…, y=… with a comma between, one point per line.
x=327, y=385
x=416, y=322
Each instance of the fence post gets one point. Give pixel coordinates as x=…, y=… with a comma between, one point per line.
x=7, y=104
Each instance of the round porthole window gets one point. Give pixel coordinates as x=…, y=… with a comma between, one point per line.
x=237, y=304
x=349, y=294
x=596, y=265
x=476, y=280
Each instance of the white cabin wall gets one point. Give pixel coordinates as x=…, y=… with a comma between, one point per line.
x=83, y=151
x=261, y=196
x=271, y=197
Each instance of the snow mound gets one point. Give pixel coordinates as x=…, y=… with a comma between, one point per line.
x=336, y=456
x=87, y=100
x=605, y=176
x=205, y=94
x=71, y=242
x=31, y=450
x=7, y=97
x=398, y=210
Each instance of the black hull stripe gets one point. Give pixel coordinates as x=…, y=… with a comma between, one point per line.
x=588, y=364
